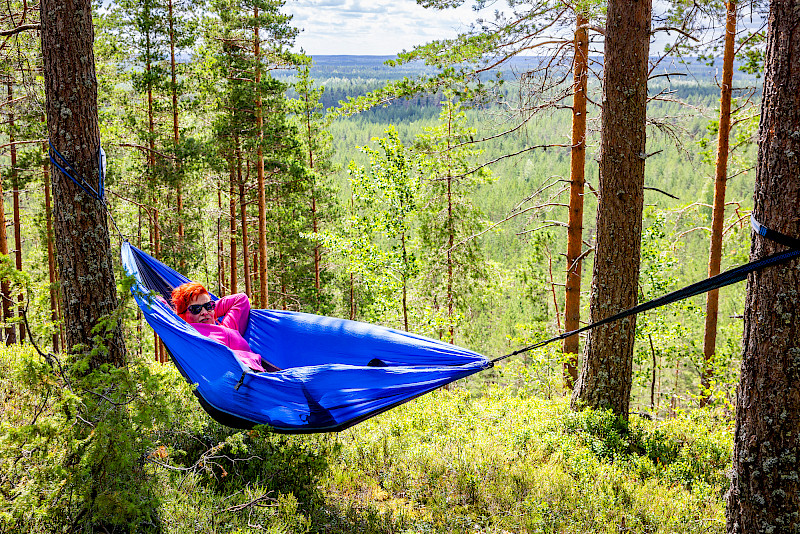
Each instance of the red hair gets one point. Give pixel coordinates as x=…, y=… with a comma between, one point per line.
x=184, y=294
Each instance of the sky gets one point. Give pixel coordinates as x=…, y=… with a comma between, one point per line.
x=372, y=27
x=386, y=27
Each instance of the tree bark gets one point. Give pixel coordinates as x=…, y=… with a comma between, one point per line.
x=248, y=285
x=572, y=299
x=605, y=379
x=718, y=217
x=451, y=238
x=82, y=241
x=9, y=333
x=176, y=137
x=17, y=216
x=308, y=117
x=220, y=247
x=765, y=488
x=155, y=238
x=262, y=201
x=51, y=259
x=234, y=255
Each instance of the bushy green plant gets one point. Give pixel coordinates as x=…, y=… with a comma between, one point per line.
x=228, y=459
x=74, y=438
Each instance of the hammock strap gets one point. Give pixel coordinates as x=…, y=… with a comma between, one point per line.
x=732, y=276
x=63, y=164
x=58, y=159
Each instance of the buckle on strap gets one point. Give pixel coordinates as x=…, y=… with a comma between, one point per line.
x=241, y=381
x=773, y=235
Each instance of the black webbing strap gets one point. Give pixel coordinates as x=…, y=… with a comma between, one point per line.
x=715, y=282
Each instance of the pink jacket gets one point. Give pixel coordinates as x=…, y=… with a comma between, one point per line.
x=231, y=315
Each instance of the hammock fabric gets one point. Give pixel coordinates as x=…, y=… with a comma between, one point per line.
x=326, y=384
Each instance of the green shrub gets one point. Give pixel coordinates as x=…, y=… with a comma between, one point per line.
x=73, y=443
x=227, y=460
x=454, y=461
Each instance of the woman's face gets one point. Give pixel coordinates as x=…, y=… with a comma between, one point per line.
x=205, y=315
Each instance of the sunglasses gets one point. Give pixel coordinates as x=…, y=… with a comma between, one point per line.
x=195, y=309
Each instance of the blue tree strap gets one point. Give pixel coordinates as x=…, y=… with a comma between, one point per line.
x=772, y=235
x=729, y=277
x=58, y=159
x=99, y=193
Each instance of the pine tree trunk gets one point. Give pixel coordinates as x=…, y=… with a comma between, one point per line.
x=139, y=314
x=317, y=251
x=220, y=247
x=151, y=165
x=451, y=239
x=765, y=487
x=176, y=138
x=10, y=332
x=314, y=215
x=81, y=231
x=234, y=258
x=262, y=202
x=248, y=285
x=256, y=272
x=572, y=299
x=605, y=379
x=51, y=260
x=15, y=199
x=718, y=217
x=405, y=281
x=450, y=231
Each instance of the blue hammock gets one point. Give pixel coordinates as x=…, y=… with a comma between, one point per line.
x=326, y=384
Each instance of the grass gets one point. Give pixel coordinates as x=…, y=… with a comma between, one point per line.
x=485, y=460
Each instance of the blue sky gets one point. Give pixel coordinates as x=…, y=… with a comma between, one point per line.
x=372, y=27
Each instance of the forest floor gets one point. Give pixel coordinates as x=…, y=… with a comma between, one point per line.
x=488, y=458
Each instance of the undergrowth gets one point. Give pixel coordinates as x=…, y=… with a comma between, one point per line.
x=489, y=459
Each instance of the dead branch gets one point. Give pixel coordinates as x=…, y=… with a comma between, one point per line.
x=666, y=74
x=20, y=29
x=548, y=225
x=734, y=223
x=690, y=230
x=553, y=285
x=257, y=501
x=15, y=143
x=8, y=102
x=674, y=29
x=146, y=149
x=661, y=191
x=496, y=224
x=579, y=259
x=479, y=167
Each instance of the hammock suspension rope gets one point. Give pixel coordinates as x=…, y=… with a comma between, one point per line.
x=729, y=277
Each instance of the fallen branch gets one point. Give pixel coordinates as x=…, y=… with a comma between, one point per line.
x=257, y=501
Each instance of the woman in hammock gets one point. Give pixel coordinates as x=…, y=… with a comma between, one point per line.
x=224, y=320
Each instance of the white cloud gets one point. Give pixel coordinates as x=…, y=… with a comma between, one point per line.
x=372, y=27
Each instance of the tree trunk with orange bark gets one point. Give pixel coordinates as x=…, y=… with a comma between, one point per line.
x=263, y=293
x=606, y=377
x=718, y=217
x=572, y=300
